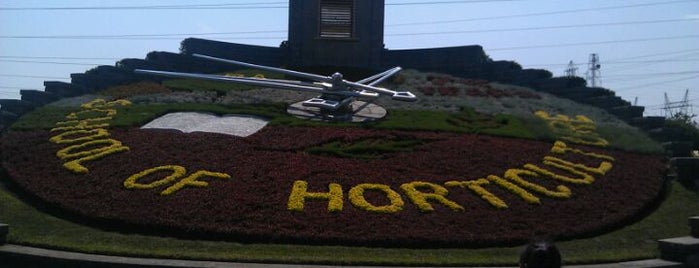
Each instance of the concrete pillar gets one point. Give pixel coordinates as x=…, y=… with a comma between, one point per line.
x=4, y=230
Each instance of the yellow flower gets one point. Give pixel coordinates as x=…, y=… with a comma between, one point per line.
x=602, y=169
x=67, y=152
x=61, y=138
x=192, y=181
x=477, y=187
x=177, y=172
x=420, y=199
x=515, y=175
x=356, y=197
x=299, y=194
x=585, y=178
x=526, y=196
x=76, y=166
x=560, y=147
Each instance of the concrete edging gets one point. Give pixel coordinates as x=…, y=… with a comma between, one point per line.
x=4, y=230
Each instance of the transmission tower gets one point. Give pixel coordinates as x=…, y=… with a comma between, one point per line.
x=673, y=108
x=571, y=70
x=593, y=73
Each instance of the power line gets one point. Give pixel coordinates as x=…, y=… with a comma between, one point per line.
x=134, y=36
x=53, y=58
x=679, y=57
x=159, y=36
x=164, y=38
x=31, y=76
x=635, y=78
x=547, y=27
x=655, y=84
x=685, y=51
x=264, y=5
x=612, y=62
x=623, y=60
x=6, y=87
x=447, y=2
x=597, y=43
x=159, y=7
x=657, y=106
x=653, y=74
x=539, y=13
x=651, y=61
x=52, y=62
x=528, y=65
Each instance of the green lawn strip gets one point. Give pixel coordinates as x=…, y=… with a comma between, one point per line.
x=140, y=114
x=466, y=121
x=192, y=85
x=44, y=117
x=29, y=226
x=638, y=241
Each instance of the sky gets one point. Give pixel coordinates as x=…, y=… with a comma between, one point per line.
x=646, y=48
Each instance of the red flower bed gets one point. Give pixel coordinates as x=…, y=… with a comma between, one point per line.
x=447, y=85
x=252, y=204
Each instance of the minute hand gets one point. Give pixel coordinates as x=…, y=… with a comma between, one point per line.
x=395, y=95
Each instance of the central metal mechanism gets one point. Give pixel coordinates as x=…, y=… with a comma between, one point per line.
x=336, y=93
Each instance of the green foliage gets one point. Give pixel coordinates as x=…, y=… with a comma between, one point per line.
x=43, y=118
x=367, y=148
x=465, y=121
x=629, y=139
x=220, y=88
x=683, y=118
x=416, y=120
x=684, y=129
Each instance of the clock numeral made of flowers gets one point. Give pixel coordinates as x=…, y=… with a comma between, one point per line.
x=85, y=134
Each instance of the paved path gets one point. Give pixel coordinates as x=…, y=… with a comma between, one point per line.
x=21, y=256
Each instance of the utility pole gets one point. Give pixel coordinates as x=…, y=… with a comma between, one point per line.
x=571, y=70
x=593, y=70
x=674, y=108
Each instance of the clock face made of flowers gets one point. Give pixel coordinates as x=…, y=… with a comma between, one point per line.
x=449, y=189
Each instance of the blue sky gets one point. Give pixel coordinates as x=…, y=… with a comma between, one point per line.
x=646, y=47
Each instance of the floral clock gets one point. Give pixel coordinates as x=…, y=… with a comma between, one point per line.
x=449, y=189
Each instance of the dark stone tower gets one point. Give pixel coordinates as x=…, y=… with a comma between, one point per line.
x=337, y=33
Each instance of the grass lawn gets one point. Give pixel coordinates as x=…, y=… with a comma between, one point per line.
x=30, y=226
